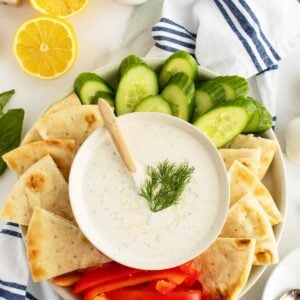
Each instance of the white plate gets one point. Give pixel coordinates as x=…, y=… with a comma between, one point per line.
x=275, y=179
x=285, y=276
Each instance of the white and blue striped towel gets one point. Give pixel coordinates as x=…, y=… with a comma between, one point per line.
x=245, y=37
x=228, y=37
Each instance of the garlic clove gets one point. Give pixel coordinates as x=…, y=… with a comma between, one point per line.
x=293, y=141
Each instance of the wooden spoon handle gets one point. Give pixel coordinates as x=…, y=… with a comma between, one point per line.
x=115, y=132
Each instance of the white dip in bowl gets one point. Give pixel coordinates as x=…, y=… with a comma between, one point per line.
x=117, y=220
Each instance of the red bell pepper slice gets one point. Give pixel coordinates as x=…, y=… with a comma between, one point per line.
x=68, y=279
x=165, y=287
x=152, y=295
x=175, y=275
x=192, y=273
x=108, y=272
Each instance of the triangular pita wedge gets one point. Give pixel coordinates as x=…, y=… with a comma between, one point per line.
x=246, y=219
x=225, y=267
x=21, y=158
x=76, y=122
x=41, y=185
x=56, y=246
x=267, y=146
x=250, y=158
x=266, y=251
x=242, y=181
x=32, y=134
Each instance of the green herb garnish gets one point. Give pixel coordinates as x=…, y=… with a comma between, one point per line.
x=165, y=184
x=11, y=124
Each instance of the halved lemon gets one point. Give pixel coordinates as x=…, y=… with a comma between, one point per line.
x=45, y=47
x=59, y=8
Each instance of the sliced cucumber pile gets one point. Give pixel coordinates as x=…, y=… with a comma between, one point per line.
x=154, y=104
x=88, y=84
x=180, y=93
x=219, y=107
x=261, y=119
x=180, y=61
x=208, y=94
x=226, y=120
x=138, y=81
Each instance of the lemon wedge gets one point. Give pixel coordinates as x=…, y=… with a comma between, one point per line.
x=45, y=47
x=59, y=8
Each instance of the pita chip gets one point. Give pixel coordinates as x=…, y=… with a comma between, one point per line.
x=250, y=158
x=76, y=122
x=242, y=181
x=267, y=146
x=56, y=246
x=41, y=185
x=225, y=267
x=21, y=158
x=33, y=135
x=266, y=251
x=246, y=219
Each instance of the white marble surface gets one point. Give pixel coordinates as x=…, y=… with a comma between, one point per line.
x=107, y=31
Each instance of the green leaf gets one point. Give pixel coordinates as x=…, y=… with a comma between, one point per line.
x=4, y=98
x=10, y=132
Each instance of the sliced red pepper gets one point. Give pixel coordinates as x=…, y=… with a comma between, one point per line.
x=175, y=275
x=108, y=272
x=165, y=287
x=68, y=279
x=152, y=295
x=192, y=273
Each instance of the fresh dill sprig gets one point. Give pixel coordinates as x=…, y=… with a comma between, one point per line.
x=165, y=184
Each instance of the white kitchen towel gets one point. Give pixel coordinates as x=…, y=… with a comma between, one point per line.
x=15, y=280
x=245, y=37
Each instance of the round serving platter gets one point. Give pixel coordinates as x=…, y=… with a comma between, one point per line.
x=275, y=179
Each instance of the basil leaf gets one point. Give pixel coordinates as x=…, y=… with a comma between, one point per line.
x=4, y=98
x=10, y=132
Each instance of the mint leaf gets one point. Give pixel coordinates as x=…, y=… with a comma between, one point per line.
x=10, y=132
x=4, y=98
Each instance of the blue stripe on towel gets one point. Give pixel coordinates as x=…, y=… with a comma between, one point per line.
x=170, y=49
x=13, y=285
x=238, y=34
x=174, y=41
x=173, y=31
x=168, y=21
x=11, y=232
x=4, y=294
x=30, y=296
x=254, y=18
x=248, y=28
x=12, y=224
x=272, y=68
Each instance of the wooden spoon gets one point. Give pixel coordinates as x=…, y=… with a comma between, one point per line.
x=115, y=133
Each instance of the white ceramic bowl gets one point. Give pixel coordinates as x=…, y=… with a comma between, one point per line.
x=275, y=179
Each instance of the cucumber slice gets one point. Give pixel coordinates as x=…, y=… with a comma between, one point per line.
x=128, y=62
x=180, y=93
x=225, y=121
x=261, y=119
x=207, y=95
x=234, y=86
x=180, y=61
x=108, y=97
x=87, y=85
x=154, y=104
x=136, y=84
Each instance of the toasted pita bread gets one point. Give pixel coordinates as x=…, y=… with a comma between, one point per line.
x=41, y=185
x=246, y=219
x=32, y=134
x=76, y=122
x=267, y=146
x=225, y=267
x=242, y=181
x=266, y=251
x=250, y=158
x=21, y=158
x=56, y=246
